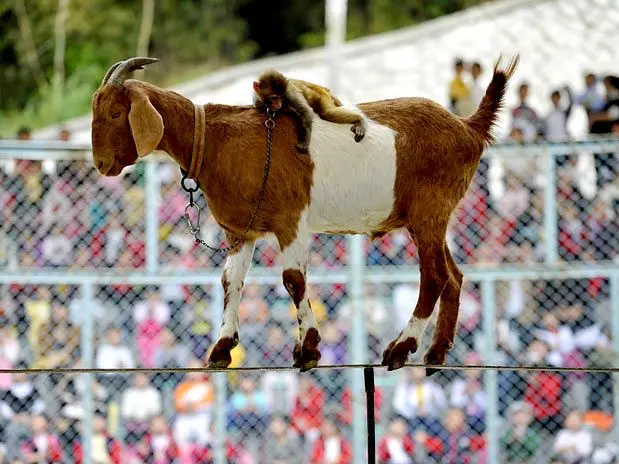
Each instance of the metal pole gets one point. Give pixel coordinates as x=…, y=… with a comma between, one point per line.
x=614, y=310
x=490, y=377
x=368, y=377
x=151, y=203
x=550, y=208
x=87, y=341
x=220, y=385
x=335, y=23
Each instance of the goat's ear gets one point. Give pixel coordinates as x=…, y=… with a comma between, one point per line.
x=257, y=86
x=146, y=125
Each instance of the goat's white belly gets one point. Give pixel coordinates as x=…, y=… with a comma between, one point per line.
x=353, y=182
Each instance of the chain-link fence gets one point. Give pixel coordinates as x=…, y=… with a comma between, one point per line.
x=102, y=272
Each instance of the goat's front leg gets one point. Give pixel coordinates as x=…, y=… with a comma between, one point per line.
x=295, y=257
x=235, y=270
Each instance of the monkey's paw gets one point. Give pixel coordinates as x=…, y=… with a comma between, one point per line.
x=303, y=147
x=359, y=130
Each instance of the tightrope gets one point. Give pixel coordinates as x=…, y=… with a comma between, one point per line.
x=163, y=370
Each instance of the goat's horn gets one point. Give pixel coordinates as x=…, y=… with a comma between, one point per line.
x=110, y=71
x=124, y=68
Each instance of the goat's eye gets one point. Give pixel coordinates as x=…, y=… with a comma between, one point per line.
x=116, y=115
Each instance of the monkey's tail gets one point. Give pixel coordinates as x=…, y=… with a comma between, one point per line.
x=485, y=118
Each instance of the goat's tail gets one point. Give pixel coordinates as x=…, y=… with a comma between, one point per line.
x=485, y=118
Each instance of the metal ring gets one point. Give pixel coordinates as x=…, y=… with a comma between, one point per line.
x=190, y=189
x=270, y=123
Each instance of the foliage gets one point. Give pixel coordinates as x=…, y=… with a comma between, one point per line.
x=189, y=36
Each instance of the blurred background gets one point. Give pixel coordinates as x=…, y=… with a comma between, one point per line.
x=102, y=272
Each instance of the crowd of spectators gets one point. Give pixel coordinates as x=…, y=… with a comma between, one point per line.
x=67, y=218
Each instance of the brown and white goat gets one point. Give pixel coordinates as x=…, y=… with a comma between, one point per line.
x=411, y=170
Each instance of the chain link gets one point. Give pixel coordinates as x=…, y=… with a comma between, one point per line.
x=195, y=229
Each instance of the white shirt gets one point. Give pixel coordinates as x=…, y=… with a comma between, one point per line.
x=397, y=453
x=112, y=357
x=141, y=404
x=556, y=126
x=426, y=399
x=332, y=449
x=158, y=310
x=581, y=440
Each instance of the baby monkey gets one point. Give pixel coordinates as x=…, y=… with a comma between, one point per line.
x=276, y=92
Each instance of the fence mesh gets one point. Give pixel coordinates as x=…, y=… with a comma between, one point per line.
x=66, y=218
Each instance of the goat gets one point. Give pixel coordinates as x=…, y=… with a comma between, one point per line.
x=411, y=171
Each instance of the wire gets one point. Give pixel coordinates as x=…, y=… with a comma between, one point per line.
x=137, y=370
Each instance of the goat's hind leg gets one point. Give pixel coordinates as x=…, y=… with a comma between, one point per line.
x=434, y=275
x=295, y=257
x=445, y=331
x=235, y=270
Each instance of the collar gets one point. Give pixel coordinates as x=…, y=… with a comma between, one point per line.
x=199, y=141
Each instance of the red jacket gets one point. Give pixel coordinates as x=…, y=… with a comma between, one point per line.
x=309, y=415
x=171, y=451
x=345, y=416
x=543, y=393
x=54, y=450
x=318, y=452
x=383, y=450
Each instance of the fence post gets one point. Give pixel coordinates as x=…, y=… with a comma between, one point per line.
x=550, y=208
x=151, y=204
x=491, y=383
x=358, y=344
x=614, y=309
x=87, y=348
x=219, y=448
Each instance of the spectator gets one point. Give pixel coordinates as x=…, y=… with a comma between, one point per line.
x=420, y=400
x=307, y=414
x=57, y=248
x=277, y=350
x=113, y=355
x=158, y=446
x=248, y=407
x=590, y=99
x=331, y=447
x=458, y=90
x=477, y=89
x=280, y=392
x=524, y=116
x=10, y=351
x=558, y=337
x=573, y=444
x=152, y=307
x=17, y=406
x=396, y=447
x=169, y=355
x=520, y=443
x=59, y=341
x=193, y=401
x=468, y=394
x=603, y=121
x=105, y=449
x=453, y=444
x=345, y=415
x=543, y=389
x=282, y=444
x=42, y=446
x=140, y=403
x=556, y=121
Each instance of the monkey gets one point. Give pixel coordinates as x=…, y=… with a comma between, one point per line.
x=276, y=92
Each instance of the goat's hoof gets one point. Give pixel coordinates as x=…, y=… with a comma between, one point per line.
x=359, y=131
x=434, y=357
x=306, y=355
x=220, y=356
x=396, y=353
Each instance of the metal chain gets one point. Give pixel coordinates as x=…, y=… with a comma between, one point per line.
x=195, y=231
